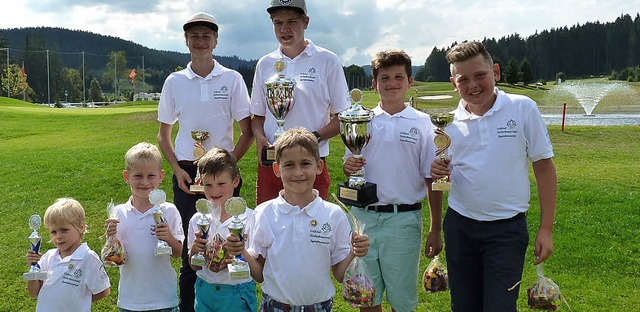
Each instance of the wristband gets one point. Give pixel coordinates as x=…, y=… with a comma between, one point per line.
x=318, y=136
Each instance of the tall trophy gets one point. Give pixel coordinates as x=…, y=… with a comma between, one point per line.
x=157, y=198
x=198, y=151
x=280, y=102
x=442, y=141
x=355, y=130
x=235, y=206
x=35, y=273
x=204, y=207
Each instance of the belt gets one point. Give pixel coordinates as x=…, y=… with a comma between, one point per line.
x=279, y=306
x=518, y=216
x=398, y=208
x=186, y=163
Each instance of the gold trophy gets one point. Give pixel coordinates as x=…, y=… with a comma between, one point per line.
x=204, y=207
x=35, y=273
x=280, y=101
x=157, y=198
x=355, y=131
x=235, y=206
x=198, y=151
x=442, y=142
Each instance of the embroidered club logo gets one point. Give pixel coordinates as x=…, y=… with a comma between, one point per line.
x=326, y=227
x=413, y=132
x=286, y=2
x=511, y=124
x=224, y=89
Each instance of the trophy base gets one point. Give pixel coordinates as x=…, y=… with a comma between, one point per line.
x=268, y=156
x=239, y=270
x=35, y=276
x=440, y=186
x=162, y=251
x=196, y=188
x=359, y=197
x=198, y=260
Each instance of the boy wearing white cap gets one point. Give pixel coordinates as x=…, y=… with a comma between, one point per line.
x=321, y=92
x=205, y=96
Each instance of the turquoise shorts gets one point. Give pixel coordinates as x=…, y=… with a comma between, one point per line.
x=219, y=297
x=394, y=255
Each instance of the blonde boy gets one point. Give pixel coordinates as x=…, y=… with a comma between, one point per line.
x=215, y=291
x=139, y=233
x=76, y=272
x=298, y=237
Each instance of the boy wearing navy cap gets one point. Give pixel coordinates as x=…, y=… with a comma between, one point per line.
x=205, y=96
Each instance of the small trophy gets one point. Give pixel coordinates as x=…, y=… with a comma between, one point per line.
x=280, y=101
x=157, y=198
x=204, y=207
x=442, y=142
x=355, y=126
x=198, y=151
x=236, y=206
x=35, y=273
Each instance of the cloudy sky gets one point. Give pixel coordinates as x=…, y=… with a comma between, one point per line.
x=353, y=29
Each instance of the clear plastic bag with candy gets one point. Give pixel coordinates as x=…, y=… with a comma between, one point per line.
x=435, y=277
x=215, y=251
x=544, y=294
x=113, y=253
x=357, y=286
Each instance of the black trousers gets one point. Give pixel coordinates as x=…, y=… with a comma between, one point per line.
x=485, y=260
x=186, y=205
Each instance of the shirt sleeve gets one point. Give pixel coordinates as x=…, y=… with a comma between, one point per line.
x=258, y=103
x=537, y=136
x=97, y=279
x=428, y=149
x=342, y=240
x=174, y=221
x=167, y=106
x=262, y=236
x=240, y=102
x=193, y=228
x=338, y=88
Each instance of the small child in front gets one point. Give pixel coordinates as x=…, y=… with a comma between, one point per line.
x=298, y=236
x=76, y=272
x=215, y=290
x=147, y=282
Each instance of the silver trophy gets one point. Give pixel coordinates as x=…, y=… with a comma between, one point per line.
x=280, y=101
x=204, y=207
x=35, y=273
x=157, y=198
x=355, y=130
x=235, y=206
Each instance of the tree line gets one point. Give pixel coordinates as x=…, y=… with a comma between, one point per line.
x=592, y=49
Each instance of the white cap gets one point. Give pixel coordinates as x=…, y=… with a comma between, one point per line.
x=201, y=19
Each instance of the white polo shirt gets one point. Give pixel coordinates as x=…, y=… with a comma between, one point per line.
x=321, y=89
x=208, y=103
x=72, y=280
x=221, y=277
x=147, y=282
x=300, y=245
x=490, y=157
x=399, y=155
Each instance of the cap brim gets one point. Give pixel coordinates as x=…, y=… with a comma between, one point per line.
x=187, y=26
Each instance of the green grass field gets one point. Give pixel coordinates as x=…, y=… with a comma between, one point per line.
x=48, y=153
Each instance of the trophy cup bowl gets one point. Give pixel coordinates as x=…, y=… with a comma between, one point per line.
x=355, y=126
x=35, y=240
x=280, y=101
x=204, y=207
x=442, y=141
x=198, y=151
x=157, y=198
x=235, y=206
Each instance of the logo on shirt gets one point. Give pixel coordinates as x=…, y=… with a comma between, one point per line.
x=410, y=136
x=72, y=278
x=321, y=236
x=309, y=76
x=222, y=94
x=508, y=131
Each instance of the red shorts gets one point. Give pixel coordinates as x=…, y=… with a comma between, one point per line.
x=268, y=185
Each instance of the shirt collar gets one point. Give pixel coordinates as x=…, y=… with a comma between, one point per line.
x=311, y=209
x=216, y=71
x=408, y=112
x=309, y=50
x=78, y=254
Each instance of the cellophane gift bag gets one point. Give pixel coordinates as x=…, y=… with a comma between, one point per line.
x=544, y=294
x=215, y=251
x=113, y=253
x=357, y=286
x=435, y=277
